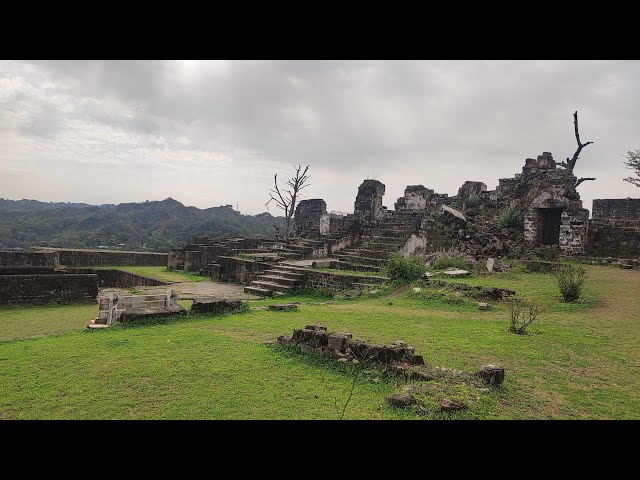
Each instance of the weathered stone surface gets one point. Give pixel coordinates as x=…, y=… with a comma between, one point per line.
x=401, y=400
x=416, y=360
x=490, y=264
x=457, y=273
x=448, y=405
x=315, y=327
x=215, y=306
x=491, y=375
x=337, y=341
x=140, y=313
x=283, y=306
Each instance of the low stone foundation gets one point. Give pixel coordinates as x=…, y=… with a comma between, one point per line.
x=315, y=339
x=48, y=288
x=216, y=306
x=118, y=278
x=335, y=282
x=476, y=292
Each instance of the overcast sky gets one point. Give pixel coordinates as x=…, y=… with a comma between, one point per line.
x=214, y=132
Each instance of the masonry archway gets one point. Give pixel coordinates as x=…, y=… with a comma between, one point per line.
x=544, y=218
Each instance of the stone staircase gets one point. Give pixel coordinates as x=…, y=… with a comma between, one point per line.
x=373, y=251
x=277, y=280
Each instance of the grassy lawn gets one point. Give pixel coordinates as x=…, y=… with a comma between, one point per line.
x=580, y=361
x=161, y=273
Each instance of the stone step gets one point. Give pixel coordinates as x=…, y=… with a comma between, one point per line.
x=370, y=253
x=363, y=286
x=276, y=287
x=283, y=273
x=95, y=326
x=361, y=260
x=259, y=291
x=357, y=267
x=387, y=247
x=291, y=282
x=290, y=268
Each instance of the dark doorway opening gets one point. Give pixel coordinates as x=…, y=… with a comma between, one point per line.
x=549, y=226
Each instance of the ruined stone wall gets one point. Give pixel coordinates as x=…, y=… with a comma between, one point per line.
x=614, y=238
x=192, y=260
x=618, y=208
x=27, y=270
x=175, y=259
x=334, y=282
x=237, y=270
x=469, y=188
x=118, y=278
x=42, y=289
x=34, y=259
x=81, y=258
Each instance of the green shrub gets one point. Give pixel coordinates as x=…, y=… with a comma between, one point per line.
x=446, y=262
x=570, y=280
x=405, y=268
x=511, y=217
x=472, y=201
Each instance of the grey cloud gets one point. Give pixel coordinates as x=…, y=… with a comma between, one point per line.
x=406, y=122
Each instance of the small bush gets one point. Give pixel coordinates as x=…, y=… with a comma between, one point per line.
x=523, y=313
x=511, y=217
x=405, y=268
x=570, y=280
x=446, y=262
x=472, y=201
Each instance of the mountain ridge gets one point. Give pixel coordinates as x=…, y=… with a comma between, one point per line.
x=155, y=225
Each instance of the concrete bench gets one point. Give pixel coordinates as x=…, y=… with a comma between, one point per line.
x=117, y=308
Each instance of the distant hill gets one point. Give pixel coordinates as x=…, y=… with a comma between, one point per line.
x=154, y=226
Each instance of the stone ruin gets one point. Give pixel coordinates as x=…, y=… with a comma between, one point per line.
x=315, y=339
x=397, y=358
x=426, y=222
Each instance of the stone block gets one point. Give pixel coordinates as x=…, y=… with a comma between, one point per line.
x=491, y=375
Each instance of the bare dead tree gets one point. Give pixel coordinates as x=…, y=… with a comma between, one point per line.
x=287, y=201
x=571, y=162
x=582, y=179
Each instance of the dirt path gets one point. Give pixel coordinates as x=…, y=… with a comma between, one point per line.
x=191, y=291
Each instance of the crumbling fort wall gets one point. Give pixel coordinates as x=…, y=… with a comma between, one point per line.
x=48, y=288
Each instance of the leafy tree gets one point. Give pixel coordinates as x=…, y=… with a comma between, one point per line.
x=633, y=162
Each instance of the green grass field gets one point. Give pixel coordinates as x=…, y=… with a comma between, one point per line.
x=161, y=273
x=581, y=361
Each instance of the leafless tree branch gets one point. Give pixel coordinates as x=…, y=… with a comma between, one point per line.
x=583, y=179
x=571, y=163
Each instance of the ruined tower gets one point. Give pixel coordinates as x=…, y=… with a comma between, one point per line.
x=368, y=203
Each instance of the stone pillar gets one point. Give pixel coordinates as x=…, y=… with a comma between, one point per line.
x=310, y=217
x=368, y=204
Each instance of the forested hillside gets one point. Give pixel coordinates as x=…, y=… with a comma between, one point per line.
x=155, y=226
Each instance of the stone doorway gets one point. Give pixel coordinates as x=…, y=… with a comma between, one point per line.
x=549, y=226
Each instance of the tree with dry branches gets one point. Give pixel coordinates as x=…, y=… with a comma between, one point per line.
x=287, y=200
x=571, y=162
x=633, y=162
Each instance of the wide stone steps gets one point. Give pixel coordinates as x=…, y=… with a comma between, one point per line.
x=291, y=282
x=361, y=260
x=262, y=292
x=276, y=287
x=369, y=253
x=386, y=247
x=343, y=265
x=284, y=273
